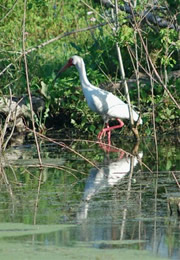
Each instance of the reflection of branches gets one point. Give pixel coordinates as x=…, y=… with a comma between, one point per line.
x=53, y=166
x=155, y=209
x=8, y=185
x=127, y=199
x=28, y=172
x=37, y=198
x=176, y=180
x=116, y=149
x=62, y=145
x=109, y=148
x=80, y=155
x=15, y=177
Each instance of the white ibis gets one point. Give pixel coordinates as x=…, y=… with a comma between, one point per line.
x=101, y=101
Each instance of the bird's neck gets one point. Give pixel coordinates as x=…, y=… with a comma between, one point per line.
x=82, y=75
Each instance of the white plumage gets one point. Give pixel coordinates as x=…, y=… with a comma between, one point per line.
x=101, y=101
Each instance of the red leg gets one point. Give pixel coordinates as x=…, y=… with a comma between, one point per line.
x=117, y=126
x=109, y=135
x=103, y=132
x=109, y=129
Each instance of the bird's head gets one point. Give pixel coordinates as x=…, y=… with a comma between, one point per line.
x=73, y=61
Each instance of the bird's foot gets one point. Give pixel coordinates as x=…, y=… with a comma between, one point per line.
x=103, y=134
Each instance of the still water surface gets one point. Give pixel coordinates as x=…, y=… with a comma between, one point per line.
x=90, y=202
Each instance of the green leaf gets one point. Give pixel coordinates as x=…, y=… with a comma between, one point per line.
x=92, y=128
x=44, y=89
x=168, y=165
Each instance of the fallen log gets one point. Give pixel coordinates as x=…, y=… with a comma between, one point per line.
x=17, y=109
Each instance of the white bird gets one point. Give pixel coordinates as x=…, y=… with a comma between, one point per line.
x=101, y=101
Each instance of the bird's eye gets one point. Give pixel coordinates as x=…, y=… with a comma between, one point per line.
x=70, y=62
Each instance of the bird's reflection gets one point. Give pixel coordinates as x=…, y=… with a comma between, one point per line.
x=107, y=176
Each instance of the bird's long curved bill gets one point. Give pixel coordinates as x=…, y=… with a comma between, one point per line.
x=67, y=65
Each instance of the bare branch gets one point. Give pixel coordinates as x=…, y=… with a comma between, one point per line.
x=151, y=63
x=28, y=85
x=148, y=16
x=53, y=40
x=9, y=11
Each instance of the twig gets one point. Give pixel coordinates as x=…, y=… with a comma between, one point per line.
x=7, y=183
x=28, y=85
x=2, y=137
x=153, y=109
x=95, y=142
x=4, y=144
x=122, y=69
x=9, y=65
x=148, y=16
x=142, y=67
x=9, y=11
x=136, y=69
x=65, y=35
x=97, y=13
x=124, y=214
x=174, y=176
x=151, y=63
x=53, y=40
x=62, y=145
x=14, y=123
x=37, y=197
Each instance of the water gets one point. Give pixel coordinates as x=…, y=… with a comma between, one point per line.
x=90, y=202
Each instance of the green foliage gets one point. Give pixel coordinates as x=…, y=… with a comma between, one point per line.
x=73, y=104
x=44, y=21
x=126, y=35
x=173, y=4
